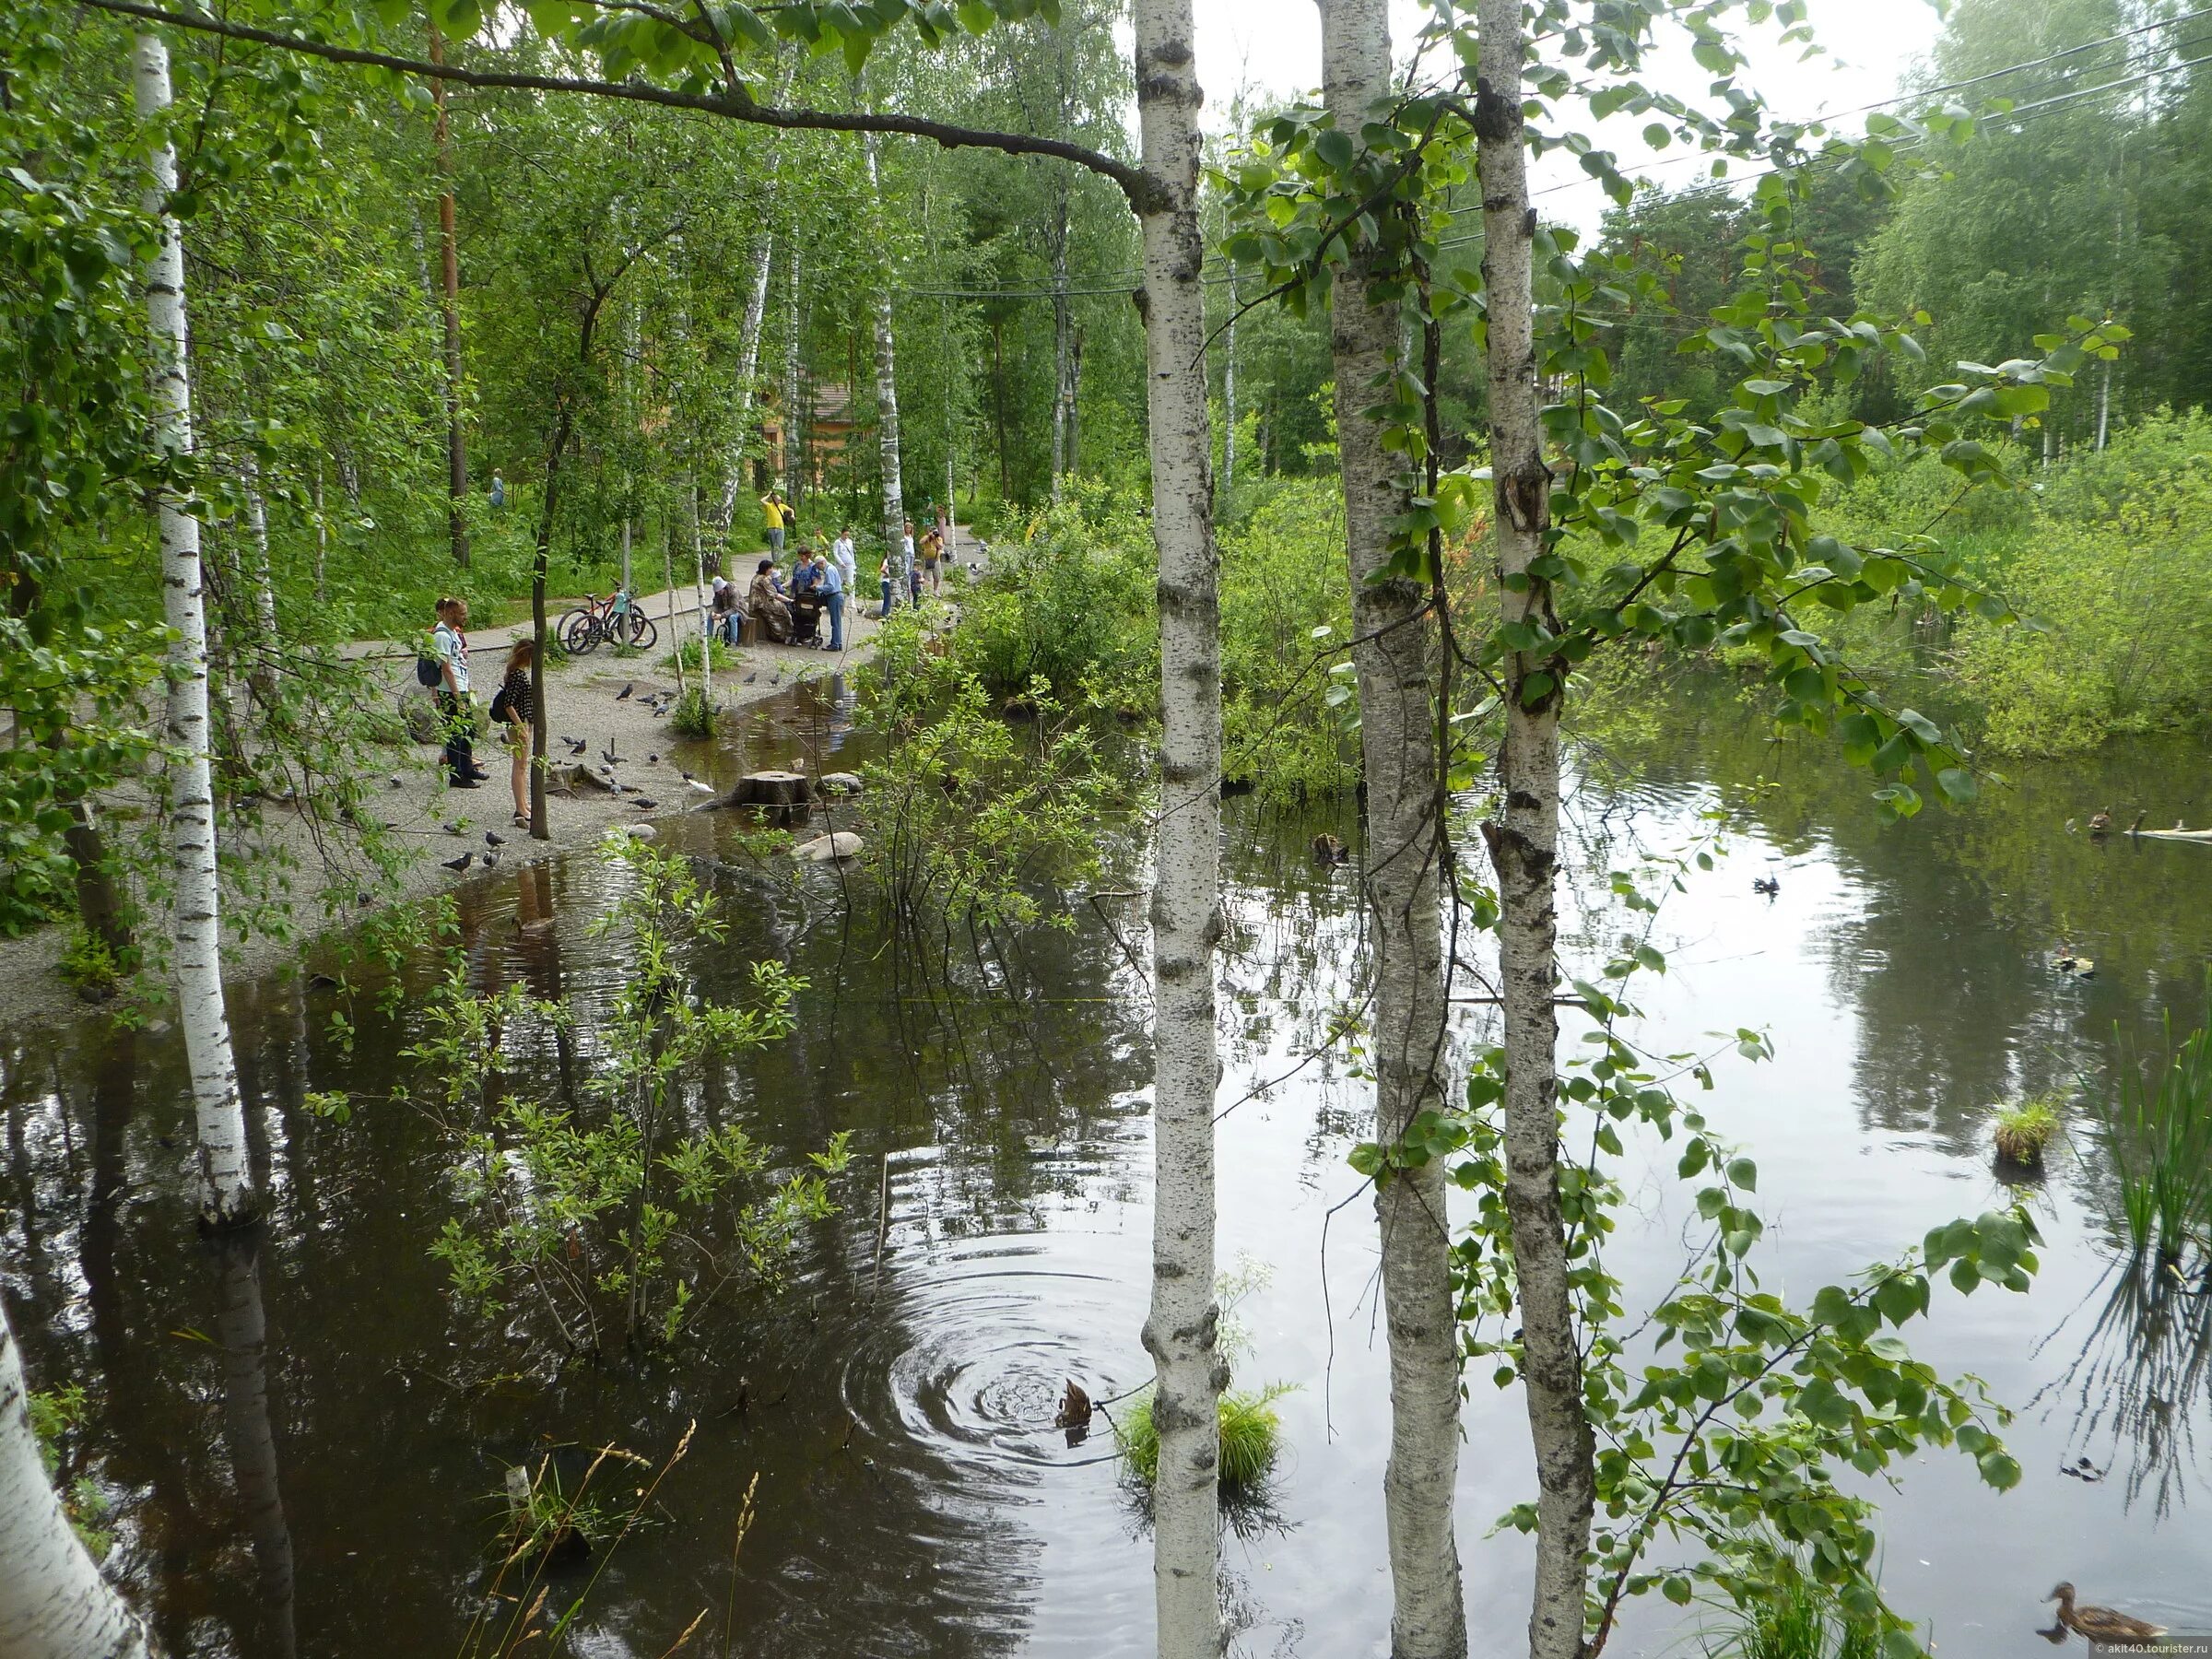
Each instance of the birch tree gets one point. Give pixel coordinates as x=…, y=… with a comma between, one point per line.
x=887, y=372
x=1402, y=856
x=54, y=1602
x=225, y=1195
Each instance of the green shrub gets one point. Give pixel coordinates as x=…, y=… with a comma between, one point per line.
x=694, y=713
x=2023, y=1131
x=1796, y=1619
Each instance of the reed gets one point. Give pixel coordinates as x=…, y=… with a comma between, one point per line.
x=1796, y=1619
x=2160, y=1135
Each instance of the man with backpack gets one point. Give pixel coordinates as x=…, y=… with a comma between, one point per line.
x=445, y=670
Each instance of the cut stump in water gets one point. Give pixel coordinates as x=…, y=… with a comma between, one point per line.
x=771, y=789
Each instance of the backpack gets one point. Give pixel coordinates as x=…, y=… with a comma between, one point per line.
x=791, y=516
x=502, y=710
x=429, y=672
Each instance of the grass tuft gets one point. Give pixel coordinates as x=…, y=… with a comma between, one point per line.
x=1797, y=1618
x=2023, y=1131
x=2159, y=1134
x=1250, y=1437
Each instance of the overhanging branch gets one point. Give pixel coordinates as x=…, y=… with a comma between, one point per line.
x=736, y=104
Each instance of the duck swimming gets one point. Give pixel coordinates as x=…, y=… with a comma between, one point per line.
x=2102, y=1624
x=2100, y=820
x=1768, y=885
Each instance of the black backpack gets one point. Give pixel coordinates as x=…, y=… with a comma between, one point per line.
x=429, y=672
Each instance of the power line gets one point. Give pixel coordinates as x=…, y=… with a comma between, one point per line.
x=2052, y=105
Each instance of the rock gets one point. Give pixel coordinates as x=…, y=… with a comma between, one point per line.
x=822, y=849
x=839, y=783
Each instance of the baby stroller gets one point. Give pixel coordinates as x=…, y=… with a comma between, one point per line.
x=807, y=618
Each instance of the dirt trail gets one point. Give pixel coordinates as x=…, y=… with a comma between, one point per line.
x=434, y=824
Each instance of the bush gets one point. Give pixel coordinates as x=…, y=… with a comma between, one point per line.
x=694, y=713
x=2023, y=1131
x=1250, y=1437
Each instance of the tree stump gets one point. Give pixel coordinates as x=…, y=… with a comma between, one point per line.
x=784, y=789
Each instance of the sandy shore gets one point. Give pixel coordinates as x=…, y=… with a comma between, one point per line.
x=434, y=824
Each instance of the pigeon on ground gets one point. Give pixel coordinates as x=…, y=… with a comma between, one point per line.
x=702, y=788
x=653, y=760
x=492, y=839
x=750, y=679
x=644, y=805
x=395, y=782
x=576, y=745
x=456, y=830
x=461, y=862
x=609, y=756
x=491, y=860
x=624, y=692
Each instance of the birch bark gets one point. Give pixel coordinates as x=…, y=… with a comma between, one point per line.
x=760, y=256
x=794, y=274
x=225, y=1195
x=1395, y=658
x=449, y=263
x=1180, y=1330
x=886, y=379
x=1524, y=847
x=54, y=1602
x=262, y=673
x=1063, y=333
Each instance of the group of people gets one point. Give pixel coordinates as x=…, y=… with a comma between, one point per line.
x=790, y=611
x=513, y=706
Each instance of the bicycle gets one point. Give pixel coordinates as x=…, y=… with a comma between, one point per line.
x=613, y=618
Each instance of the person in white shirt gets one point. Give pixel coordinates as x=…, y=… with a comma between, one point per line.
x=454, y=704
x=841, y=551
x=910, y=574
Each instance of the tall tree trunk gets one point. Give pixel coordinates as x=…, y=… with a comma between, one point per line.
x=449, y=260
x=541, y=822
x=321, y=540
x=886, y=380
x=225, y=1195
x=1063, y=331
x=998, y=383
x=1228, y=396
x=1401, y=863
x=1524, y=846
x=759, y=258
x=262, y=675
x=698, y=578
x=1181, y=1329
x=795, y=423
x=54, y=1602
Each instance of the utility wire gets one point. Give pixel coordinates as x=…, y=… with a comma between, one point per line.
x=2054, y=104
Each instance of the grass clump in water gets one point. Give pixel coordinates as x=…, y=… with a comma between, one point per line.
x=2023, y=1131
x=1251, y=1436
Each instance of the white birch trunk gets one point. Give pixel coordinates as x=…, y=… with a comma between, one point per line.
x=225, y=1186
x=1229, y=395
x=1524, y=847
x=263, y=672
x=887, y=382
x=699, y=589
x=1063, y=337
x=760, y=256
x=1181, y=1329
x=794, y=271
x=1396, y=658
x=54, y=1602
x=321, y=539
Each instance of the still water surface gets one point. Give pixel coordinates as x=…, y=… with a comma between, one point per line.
x=305, y=1443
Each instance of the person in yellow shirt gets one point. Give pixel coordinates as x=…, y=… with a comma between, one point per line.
x=772, y=516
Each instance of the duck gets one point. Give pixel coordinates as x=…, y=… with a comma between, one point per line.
x=2100, y=820
x=1328, y=850
x=2102, y=1624
x=1075, y=1408
x=1768, y=885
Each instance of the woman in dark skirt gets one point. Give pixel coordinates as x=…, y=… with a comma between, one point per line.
x=515, y=705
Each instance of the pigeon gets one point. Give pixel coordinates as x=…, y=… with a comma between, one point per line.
x=491, y=860
x=1768, y=885
x=576, y=745
x=609, y=756
x=461, y=862
x=624, y=692
x=750, y=679
x=363, y=900
x=644, y=805
x=653, y=760
x=702, y=788
x=456, y=830
x=395, y=782
x=492, y=839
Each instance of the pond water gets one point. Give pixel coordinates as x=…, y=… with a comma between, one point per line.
x=304, y=1441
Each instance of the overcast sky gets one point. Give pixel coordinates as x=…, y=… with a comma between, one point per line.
x=1274, y=46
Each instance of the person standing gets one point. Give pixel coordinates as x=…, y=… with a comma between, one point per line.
x=456, y=713
x=498, y=490
x=772, y=521
x=910, y=573
x=513, y=709
x=884, y=573
x=830, y=582
x=840, y=550
x=933, y=553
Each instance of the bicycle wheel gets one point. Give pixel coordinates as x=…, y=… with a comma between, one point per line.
x=579, y=632
x=643, y=635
